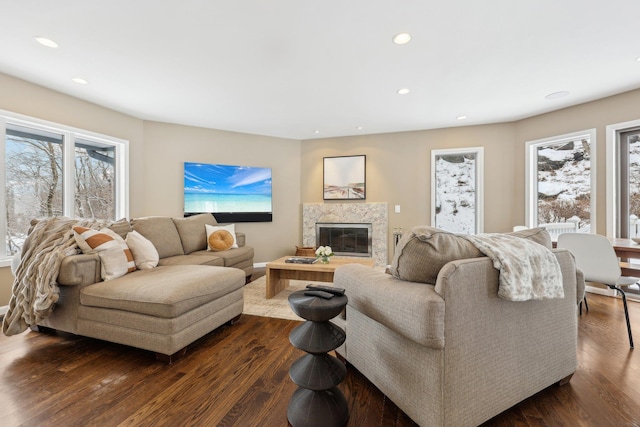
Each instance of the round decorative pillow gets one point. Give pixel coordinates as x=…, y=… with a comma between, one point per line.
x=220, y=240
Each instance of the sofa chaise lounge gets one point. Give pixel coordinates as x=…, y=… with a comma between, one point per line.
x=191, y=292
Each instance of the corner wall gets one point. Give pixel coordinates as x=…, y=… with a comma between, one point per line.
x=19, y=96
x=168, y=146
x=398, y=171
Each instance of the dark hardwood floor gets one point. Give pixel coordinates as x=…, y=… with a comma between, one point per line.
x=238, y=376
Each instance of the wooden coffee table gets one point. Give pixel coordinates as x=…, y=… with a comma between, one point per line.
x=279, y=272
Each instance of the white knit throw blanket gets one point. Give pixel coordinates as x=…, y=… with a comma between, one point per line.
x=528, y=270
x=35, y=290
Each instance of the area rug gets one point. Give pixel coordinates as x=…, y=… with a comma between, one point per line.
x=256, y=304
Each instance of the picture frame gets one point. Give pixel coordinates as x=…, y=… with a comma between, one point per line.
x=344, y=178
x=457, y=195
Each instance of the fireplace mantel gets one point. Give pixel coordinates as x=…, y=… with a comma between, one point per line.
x=374, y=213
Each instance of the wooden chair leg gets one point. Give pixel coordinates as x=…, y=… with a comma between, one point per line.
x=565, y=380
x=170, y=358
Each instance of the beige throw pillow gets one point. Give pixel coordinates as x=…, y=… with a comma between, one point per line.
x=144, y=253
x=230, y=228
x=115, y=256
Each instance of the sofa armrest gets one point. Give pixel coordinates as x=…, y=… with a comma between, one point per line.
x=79, y=270
x=413, y=310
x=240, y=239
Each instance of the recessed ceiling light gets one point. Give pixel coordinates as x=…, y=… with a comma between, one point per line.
x=80, y=81
x=46, y=42
x=461, y=117
x=402, y=38
x=316, y=131
x=359, y=127
x=403, y=91
x=557, y=95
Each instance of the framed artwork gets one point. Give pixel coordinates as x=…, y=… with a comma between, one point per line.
x=344, y=178
x=456, y=190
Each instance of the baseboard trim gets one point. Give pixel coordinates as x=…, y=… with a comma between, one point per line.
x=259, y=265
x=601, y=291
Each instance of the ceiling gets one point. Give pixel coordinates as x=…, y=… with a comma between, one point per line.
x=306, y=69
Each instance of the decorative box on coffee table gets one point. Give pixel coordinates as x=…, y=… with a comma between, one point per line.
x=317, y=401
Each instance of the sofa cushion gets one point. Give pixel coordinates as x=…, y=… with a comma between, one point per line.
x=194, y=258
x=423, y=251
x=192, y=232
x=144, y=253
x=122, y=227
x=230, y=228
x=164, y=291
x=162, y=232
x=231, y=257
x=115, y=256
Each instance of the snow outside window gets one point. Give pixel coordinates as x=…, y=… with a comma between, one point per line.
x=457, y=190
x=560, y=183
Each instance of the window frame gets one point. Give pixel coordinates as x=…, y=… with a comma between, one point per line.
x=531, y=171
x=613, y=171
x=70, y=135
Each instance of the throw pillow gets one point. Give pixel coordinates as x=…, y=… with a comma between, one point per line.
x=144, y=253
x=231, y=229
x=423, y=251
x=220, y=240
x=115, y=256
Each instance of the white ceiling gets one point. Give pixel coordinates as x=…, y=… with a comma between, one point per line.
x=287, y=68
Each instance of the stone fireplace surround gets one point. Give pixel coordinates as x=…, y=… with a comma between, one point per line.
x=374, y=213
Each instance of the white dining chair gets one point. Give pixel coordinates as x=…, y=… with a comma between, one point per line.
x=597, y=259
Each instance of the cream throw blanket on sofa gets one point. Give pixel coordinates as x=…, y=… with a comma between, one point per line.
x=35, y=290
x=528, y=270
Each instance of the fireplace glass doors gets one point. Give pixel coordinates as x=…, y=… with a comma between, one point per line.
x=345, y=239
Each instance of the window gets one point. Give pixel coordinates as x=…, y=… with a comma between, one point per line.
x=54, y=170
x=560, y=183
x=623, y=180
x=457, y=190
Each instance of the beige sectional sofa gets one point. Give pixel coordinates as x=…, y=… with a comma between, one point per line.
x=191, y=292
x=453, y=353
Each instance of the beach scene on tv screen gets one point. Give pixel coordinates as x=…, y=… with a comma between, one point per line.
x=225, y=188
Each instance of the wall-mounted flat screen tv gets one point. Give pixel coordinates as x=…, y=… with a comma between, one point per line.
x=230, y=193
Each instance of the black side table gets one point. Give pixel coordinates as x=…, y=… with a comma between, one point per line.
x=317, y=401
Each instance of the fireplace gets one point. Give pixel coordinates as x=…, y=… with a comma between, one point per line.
x=345, y=239
x=350, y=213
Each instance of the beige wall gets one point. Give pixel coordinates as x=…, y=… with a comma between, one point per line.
x=597, y=114
x=169, y=146
x=398, y=164
x=18, y=96
x=398, y=170
x=157, y=151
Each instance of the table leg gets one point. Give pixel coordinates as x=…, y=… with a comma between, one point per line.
x=275, y=283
